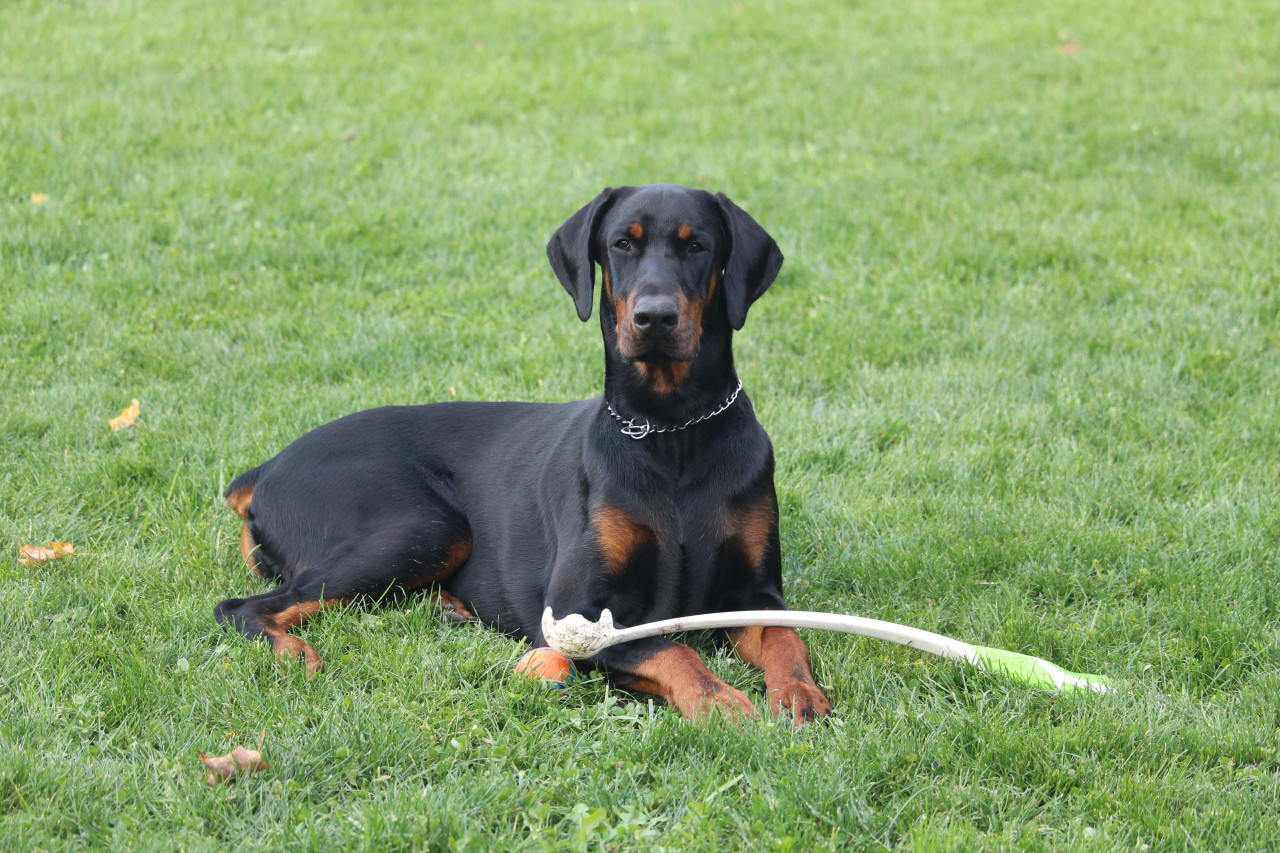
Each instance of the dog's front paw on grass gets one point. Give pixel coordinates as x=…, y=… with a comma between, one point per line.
x=803, y=699
x=727, y=703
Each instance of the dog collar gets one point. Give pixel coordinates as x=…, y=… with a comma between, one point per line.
x=639, y=429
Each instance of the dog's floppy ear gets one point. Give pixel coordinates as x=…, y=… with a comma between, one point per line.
x=572, y=252
x=753, y=263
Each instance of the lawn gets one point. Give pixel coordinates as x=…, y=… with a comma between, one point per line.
x=1020, y=370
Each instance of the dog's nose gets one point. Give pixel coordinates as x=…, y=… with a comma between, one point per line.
x=655, y=315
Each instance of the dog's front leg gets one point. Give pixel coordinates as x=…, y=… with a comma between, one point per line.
x=676, y=673
x=655, y=665
x=788, y=681
x=596, y=572
x=778, y=652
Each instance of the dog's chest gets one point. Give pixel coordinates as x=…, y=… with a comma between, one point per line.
x=681, y=553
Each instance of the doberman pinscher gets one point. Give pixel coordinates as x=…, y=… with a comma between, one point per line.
x=655, y=500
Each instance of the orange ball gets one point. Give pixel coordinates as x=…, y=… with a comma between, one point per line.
x=549, y=665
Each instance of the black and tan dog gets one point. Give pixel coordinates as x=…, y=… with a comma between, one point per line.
x=654, y=500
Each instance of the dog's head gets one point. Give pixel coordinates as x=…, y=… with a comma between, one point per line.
x=673, y=261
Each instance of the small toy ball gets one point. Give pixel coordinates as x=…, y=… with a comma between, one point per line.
x=549, y=665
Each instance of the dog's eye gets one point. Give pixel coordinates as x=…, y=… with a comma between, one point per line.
x=622, y=244
x=694, y=248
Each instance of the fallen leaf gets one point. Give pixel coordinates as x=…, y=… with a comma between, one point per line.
x=39, y=198
x=1069, y=47
x=126, y=418
x=29, y=555
x=240, y=761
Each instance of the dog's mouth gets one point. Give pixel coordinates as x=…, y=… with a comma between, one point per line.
x=658, y=353
x=664, y=364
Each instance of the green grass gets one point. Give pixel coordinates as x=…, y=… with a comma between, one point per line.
x=1021, y=371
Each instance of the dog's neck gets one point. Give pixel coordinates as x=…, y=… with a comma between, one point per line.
x=672, y=395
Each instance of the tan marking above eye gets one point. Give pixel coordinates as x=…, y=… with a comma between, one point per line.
x=636, y=230
x=685, y=232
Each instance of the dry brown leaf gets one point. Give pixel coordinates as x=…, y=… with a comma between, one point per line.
x=29, y=555
x=1068, y=48
x=240, y=761
x=39, y=198
x=127, y=418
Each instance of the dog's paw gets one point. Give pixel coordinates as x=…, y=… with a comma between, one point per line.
x=291, y=648
x=726, y=702
x=452, y=608
x=803, y=699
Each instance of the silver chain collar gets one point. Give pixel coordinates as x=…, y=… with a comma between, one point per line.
x=638, y=430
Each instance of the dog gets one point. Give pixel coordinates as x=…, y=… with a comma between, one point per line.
x=654, y=500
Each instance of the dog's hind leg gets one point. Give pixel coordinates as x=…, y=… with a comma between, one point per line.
x=395, y=555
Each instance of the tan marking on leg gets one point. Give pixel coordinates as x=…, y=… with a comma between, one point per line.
x=680, y=677
x=247, y=547
x=458, y=554
x=452, y=607
x=784, y=659
x=277, y=625
x=239, y=501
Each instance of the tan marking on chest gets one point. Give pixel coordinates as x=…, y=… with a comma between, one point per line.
x=618, y=537
x=754, y=529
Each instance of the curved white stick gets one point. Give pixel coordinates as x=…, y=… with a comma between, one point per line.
x=576, y=637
